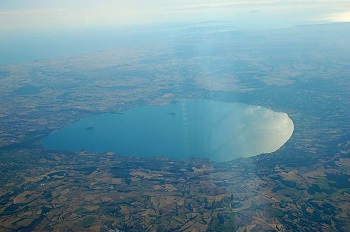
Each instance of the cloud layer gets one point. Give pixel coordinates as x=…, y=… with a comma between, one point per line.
x=45, y=14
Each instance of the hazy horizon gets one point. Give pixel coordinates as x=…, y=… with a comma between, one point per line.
x=48, y=29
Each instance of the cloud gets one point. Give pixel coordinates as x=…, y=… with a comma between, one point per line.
x=338, y=17
x=64, y=17
x=227, y=4
x=43, y=14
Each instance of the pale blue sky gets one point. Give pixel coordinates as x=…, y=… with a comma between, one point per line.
x=48, y=14
x=40, y=29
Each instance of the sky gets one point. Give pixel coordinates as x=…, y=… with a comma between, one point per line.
x=40, y=29
x=19, y=15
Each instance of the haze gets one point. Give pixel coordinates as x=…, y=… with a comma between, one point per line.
x=45, y=29
x=40, y=14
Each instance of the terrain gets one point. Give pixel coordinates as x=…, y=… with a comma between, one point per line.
x=304, y=186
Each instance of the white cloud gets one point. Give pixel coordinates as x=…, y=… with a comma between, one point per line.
x=339, y=17
x=42, y=14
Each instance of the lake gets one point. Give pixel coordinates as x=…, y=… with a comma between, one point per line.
x=219, y=131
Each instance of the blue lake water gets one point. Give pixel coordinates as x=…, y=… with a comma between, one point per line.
x=219, y=131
